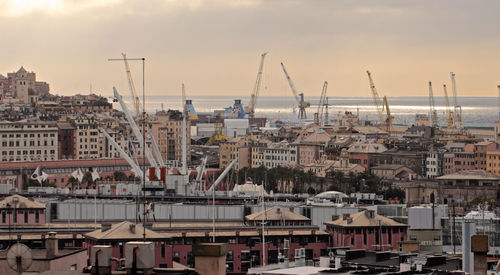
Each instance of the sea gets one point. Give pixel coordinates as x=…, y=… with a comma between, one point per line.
x=477, y=112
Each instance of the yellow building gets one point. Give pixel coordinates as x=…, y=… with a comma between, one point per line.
x=493, y=162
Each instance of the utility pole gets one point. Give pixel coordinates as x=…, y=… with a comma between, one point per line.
x=143, y=138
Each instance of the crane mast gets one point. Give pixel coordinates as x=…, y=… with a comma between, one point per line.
x=299, y=97
x=135, y=129
x=376, y=100
x=133, y=93
x=256, y=88
x=449, y=119
x=457, y=109
x=388, y=121
x=321, y=105
x=184, y=131
x=432, y=106
x=135, y=168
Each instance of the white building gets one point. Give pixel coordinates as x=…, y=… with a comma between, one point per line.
x=28, y=141
x=280, y=154
x=235, y=127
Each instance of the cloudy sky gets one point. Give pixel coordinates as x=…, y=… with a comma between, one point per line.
x=214, y=46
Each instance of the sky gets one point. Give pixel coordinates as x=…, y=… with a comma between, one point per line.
x=214, y=46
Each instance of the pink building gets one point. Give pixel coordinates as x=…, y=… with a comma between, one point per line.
x=175, y=244
x=366, y=230
x=18, y=210
x=472, y=157
x=310, y=153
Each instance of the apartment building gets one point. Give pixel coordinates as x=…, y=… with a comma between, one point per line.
x=280, y=154
x=28, y=141
x=172, y=120
x=89, y=143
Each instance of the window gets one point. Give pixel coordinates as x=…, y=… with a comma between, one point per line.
x=25, y=216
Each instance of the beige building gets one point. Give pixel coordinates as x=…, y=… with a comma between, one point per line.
x=28, y=141
x=172, y=120
x=230, y=150
x=23, y=86
x=493, y=162
x=89, y=143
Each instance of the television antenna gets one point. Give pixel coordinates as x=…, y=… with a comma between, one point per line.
x=19, y=257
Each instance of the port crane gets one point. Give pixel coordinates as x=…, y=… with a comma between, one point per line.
x=432, y=106
x=131, y=86
x=388, y=120
x=299, y=97
x=256, y=88
x=135, y=168
x=379, y=104
x=135, y=129
x=319, y=115
x=457, y=109
x=449, y=113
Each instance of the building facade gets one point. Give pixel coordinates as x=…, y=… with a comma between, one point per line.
x=366, y=230
x=28, y=141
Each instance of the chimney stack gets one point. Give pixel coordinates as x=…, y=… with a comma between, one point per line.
x=51, y=245
x=210, y=258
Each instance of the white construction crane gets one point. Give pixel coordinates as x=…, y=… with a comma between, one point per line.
x=222, y=176
x=432, y=106
x=376, y=99
x=135, y=168
x=184, y=131
x=299, y=97
x=321, y=105
x=135, y=98
x=135, y=129
x=156, y=149
x=256, y=88
x=457, y=109
x=449, y=113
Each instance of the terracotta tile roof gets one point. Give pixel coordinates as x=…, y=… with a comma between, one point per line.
x=123, y=231
x=363, y=219
x=276, y=214
x=470, y=175
x=22, y=202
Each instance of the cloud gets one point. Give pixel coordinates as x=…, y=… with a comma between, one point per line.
x=214, y=45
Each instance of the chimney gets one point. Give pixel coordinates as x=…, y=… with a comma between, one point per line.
x=105, y=226
x=51, y=245
x=370, y=214
x=480, y=245
x=210, y=258
x=132, y=228
x=345, y=216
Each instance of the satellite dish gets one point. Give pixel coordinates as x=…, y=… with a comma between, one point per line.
x=19, y=257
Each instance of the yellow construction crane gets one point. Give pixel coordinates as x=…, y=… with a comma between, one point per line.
x=318, y=116
x=256, y=88
x=449, y=113
x=376, y=99
x=299, y=97
x=432, y=106
x=388, y=120
x=218, y=137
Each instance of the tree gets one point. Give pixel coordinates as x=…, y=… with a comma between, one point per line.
x=120, y=176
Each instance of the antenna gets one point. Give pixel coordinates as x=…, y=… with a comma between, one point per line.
x=19, y=257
